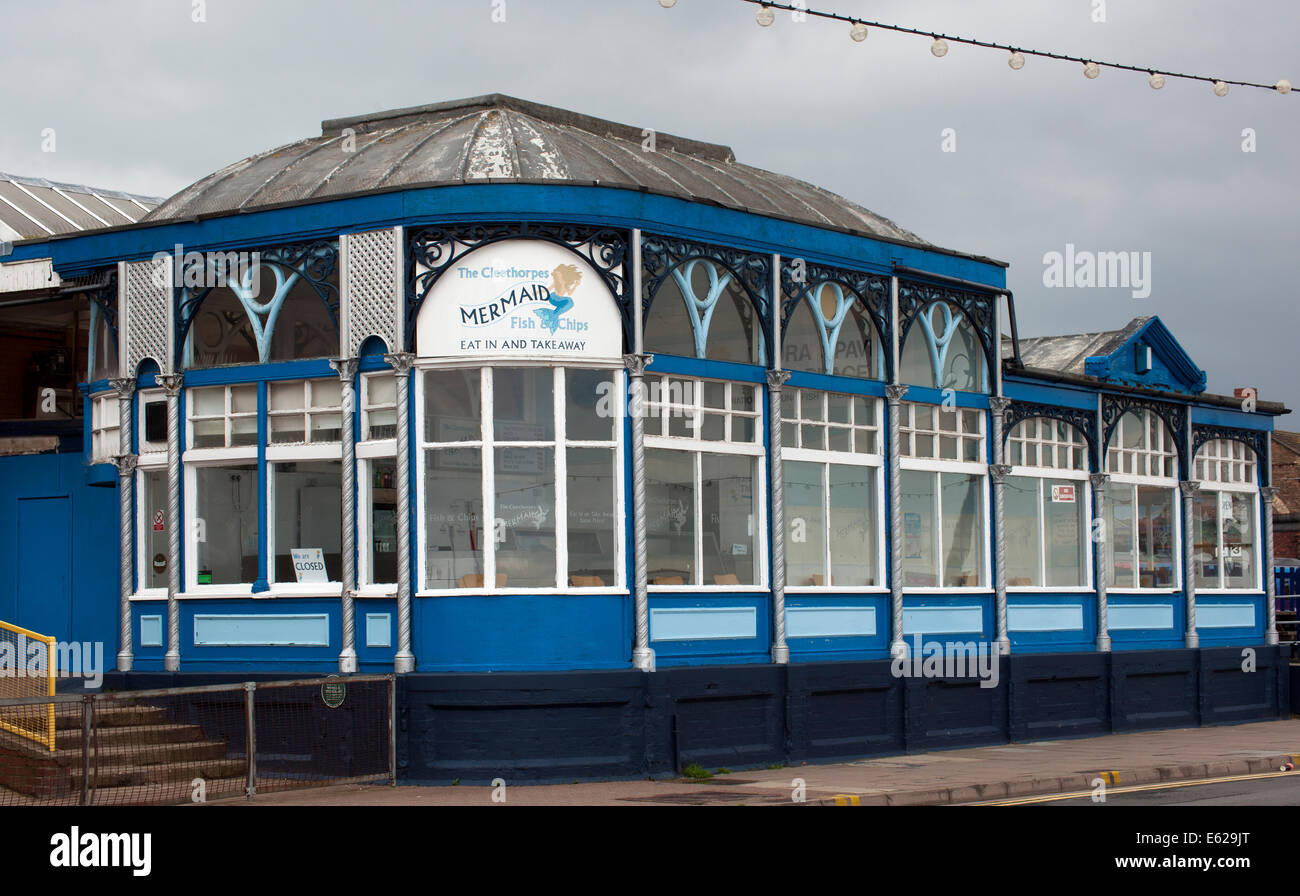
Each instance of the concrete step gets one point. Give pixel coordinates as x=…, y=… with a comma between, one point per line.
x=143, y=753
x=68, y=715
x=175, y=773
x=109, y=736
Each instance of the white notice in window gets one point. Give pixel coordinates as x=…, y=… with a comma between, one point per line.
x=309, y=565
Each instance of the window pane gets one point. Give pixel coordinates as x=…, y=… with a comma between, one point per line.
x=1155, y=514
x=670, y=517
x=288, y=428
x=1205, y=550
x=381, y=390
x=801, y=343
x=525, y=517
x=805, y=550
x=226, y=505
x=209, y=433
x=852, y=525
x=326, y=393
x=382, y=523
x=286, y=396
x=1024, y=547
x=1119, y=536
x=308, y=514
x=451, y=406
x=591, y=405
x=453, y=517
x=857, y=351
x=1239, y=542
x=204, y=402
x=730, y=520
x=592, y=494
x=920, y=528
x=1064, y=530
x=243, y=399
x=153, y=504
x=963, y=529
x=524, y=404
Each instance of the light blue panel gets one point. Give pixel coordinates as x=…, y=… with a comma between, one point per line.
x=151, y=631
x=943, y=620
x=262, y=631
x=1121, y=617
x=829, y=622
x=703, y=623
x=1225, y=615
x=379, y=630
x=1045, y=617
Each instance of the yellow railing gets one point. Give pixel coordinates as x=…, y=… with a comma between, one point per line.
x=27, y=668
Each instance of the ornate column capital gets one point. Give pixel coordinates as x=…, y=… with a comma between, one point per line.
x=636, y=364
x=401, y=362
x=126, y=464
x=894, y=392
x=1099, y=480
x=1268, y=493
x=999, y=472
x=346, y=368
x=998, y=404
x=171, y=383
x=1189, y=488
x=124, y=386
x=777, y=378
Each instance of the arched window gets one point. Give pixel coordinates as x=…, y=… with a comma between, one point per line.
x=943, y=351
x=700, y=311
x=830, y=332
x=1226, y=550
x=103, y=346
x=1045, y=506
x=1142, y=510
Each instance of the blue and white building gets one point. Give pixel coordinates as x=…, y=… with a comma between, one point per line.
x=488, y=386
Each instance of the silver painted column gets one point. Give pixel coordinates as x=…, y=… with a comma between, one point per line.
x=643, y=656
x=998, y=472
x=347, y=370
x=893, y=396
x=1100, y=557
x=401, y=363
x=126, y=461
x=1266, y=495
x=1189, y=490
x=172, y=384
x=780, y=650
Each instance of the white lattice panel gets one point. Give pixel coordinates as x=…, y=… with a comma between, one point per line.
x=148, y=314
x=372, y=289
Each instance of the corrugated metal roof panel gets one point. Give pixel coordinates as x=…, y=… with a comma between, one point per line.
x=35, y=207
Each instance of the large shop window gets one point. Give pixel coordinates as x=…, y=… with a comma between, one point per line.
x=521, y=478
x=942, y=351
x=1045, y=506
x=1226, y=552
x=945, y=511
x=226, y=525
x=1142, y=508
x=704, y=483
x=701, y=311
x=376, y=478
x=152, y=533
x=832, y=461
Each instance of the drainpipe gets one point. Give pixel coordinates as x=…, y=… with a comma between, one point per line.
x=126, y=460
x=347, y=371
x=172, y=384
x=401, y=363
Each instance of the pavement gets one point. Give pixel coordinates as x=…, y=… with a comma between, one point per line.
x=948, y=777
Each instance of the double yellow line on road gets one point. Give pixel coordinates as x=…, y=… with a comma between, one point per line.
x=1136, y=788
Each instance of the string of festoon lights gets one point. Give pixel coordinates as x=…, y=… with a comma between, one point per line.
x=860, y=28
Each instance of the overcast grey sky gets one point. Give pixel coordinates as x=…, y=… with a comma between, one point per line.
x=144, y=99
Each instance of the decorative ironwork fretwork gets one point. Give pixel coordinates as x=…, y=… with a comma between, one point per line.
x=660, y=255
x=1255, y=439
x=1084, y=421
x=433, y=249
x=1174, y=417
x=102, y=291
x=314, y=263
x=800, y=278
x=979, y=309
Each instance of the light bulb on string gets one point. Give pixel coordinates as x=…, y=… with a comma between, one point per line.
x=858, y=32
x=1220, y=88
x=1017, y=60
x=1156, y=80
x=1091, y=70
x=667, y=4
x=765, y=16
x=939, y=48
x=1283, y=86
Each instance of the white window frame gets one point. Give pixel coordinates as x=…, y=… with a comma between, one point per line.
x=1166, y=449
x=368, y=453
x=826, y=458
x=698, y=446
x=308, y=411
x=144, y=527
x=150, y=452
x=105, y=428
x=226, y=451
x=936, y=466
x=487, y=444
x=294, y=588
x=190, y=586
x=1083, y=492
x=1243, y=481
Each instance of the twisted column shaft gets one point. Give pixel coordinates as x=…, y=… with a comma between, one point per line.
x=643, y=657
x=172, y=384
x=401, y=363
x=347, y=371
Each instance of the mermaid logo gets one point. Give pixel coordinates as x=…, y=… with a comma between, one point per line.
x=564, y=282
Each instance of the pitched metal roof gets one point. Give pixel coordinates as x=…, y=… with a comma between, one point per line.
x=33, y=207
x=500, y=138
x=1067, y=354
